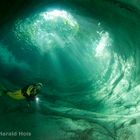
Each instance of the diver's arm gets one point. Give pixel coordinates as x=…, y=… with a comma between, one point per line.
x=29, y=104
x=29, y=99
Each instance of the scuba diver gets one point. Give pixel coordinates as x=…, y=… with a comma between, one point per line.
x=27, y=93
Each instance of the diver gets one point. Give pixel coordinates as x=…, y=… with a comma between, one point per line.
x=27, y=93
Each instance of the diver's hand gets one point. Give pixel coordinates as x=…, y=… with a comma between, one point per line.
x=29, y=104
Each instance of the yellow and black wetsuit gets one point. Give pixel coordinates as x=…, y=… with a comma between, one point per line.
x=25, y=93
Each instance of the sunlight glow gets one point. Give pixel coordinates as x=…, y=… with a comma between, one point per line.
x=54, y=14
x=48, y=29
x=101, y=46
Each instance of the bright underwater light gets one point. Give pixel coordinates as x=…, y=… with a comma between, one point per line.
x=37, y=99
x=101, y=49
x=47, y=29
x=54, y=14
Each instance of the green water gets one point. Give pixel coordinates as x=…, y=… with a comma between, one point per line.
x=87, y=56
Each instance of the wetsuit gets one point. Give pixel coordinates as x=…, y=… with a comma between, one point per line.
x=28, y=93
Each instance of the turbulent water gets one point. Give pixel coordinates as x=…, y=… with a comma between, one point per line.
x=89, y=63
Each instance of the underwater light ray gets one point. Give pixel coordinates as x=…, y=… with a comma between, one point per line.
x=91, y=70
x=47, y=28
x=91, y=49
